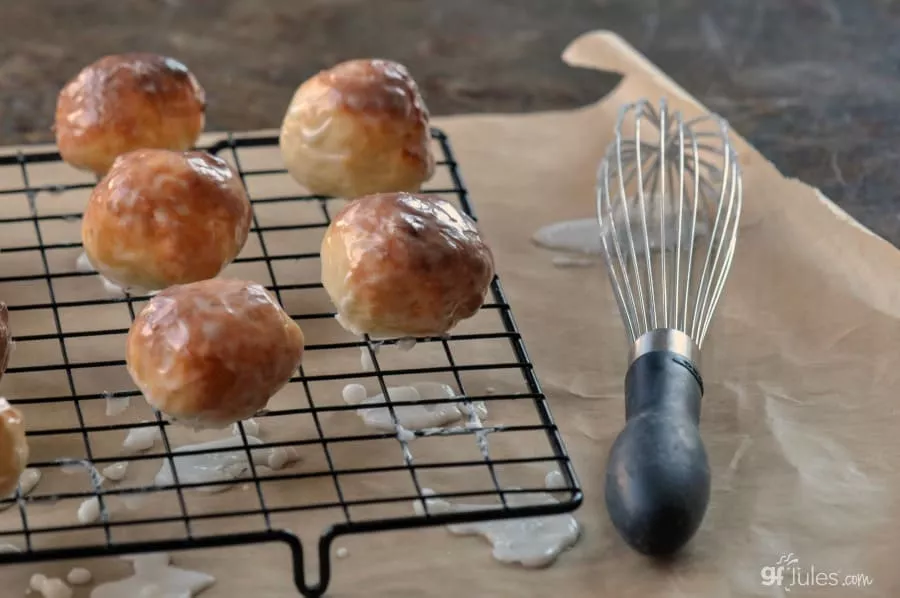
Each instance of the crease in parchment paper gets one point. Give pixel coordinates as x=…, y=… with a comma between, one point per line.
x=807, y=495
x=728, y=476
x=826, y=472
x=587, y=385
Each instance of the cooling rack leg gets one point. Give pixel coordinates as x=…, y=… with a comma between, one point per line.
x=318, y=588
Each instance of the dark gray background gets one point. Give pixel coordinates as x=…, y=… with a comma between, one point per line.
x=814, y=84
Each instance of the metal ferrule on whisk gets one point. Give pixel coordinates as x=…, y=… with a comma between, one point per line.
x=666, y=339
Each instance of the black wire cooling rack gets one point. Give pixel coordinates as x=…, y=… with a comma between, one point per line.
x=68, y=361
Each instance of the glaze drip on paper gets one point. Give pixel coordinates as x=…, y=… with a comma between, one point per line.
x=554, y=480
x=115, y=471
x=154, y=577
x=50, y=587
x=409, y=417
x=79, y=576
x=251, y=427
x=532, y=542
x=366, y=360
x=116, y=405
x=584, y=235
x=574, y=236
x=221, y=466
x=141, y=439
x=89, y=511
x=29, y=479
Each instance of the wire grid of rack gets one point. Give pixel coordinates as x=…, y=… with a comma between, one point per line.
x=69, y=334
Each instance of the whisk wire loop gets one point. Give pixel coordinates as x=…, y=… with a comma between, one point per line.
x=637, y=287
x=625, y=304
x=668, y=202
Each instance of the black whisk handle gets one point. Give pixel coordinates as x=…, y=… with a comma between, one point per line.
x=657, y=475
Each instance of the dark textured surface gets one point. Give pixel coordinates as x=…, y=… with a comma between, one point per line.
x=814, y=84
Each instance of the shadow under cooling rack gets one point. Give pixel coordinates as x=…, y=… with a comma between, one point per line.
x=331, y=472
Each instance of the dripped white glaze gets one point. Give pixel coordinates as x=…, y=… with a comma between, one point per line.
x=342, y=552
x=532, y=541
x=83, y=264
x=154, y=577
x=365, y=357
x=141, y=439
x=214, y=467
x=576, y=236
x=116, y=405
x=404, y=435
x=57, y=588
x=406, y=344
x=50, y=587
x=354, y=394
x=115, y=471
x=279, y=457
x=251, y=428
x=27, y=482
x=583, y=236
x=475, y=413
x=222, y=466
x=79, y=576
x=37, y=581
x=409, y=417
x=554, y=480
x=89, y=510
x=112, y=288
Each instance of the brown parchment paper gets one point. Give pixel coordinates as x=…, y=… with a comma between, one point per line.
x=800, y=414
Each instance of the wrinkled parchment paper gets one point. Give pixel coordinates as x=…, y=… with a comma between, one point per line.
x=800, y=414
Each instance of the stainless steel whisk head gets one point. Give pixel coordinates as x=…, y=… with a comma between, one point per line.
x=669, y=203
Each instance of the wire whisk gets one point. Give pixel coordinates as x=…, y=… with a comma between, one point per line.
x=672, y=188
x=669, y=200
